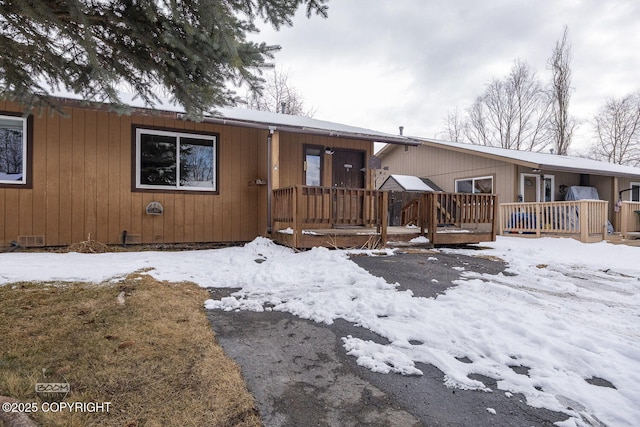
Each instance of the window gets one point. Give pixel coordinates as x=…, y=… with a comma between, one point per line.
x=313, y=165
x=167, y=160
x=635, y=192
x=13, y=150
x=482, y=185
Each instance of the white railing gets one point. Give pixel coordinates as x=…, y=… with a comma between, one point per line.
x=584, y=219
x=628, y=218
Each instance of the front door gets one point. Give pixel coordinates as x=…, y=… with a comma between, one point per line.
x=348, y=169
x=348, y=172
x=535, y=189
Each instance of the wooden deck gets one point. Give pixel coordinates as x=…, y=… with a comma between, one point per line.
x=585, y=220
x=305, y=217
x=369, y=237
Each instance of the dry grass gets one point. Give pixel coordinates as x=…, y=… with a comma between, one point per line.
x=88, y=247
x=154, y=358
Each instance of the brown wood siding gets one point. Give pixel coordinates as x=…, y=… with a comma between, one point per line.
x=443, y=167
x=82, y=174
x=291, y=156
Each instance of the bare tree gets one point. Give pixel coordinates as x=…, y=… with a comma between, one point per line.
x=562, y=125
x=278, y=96
x=11, y=151
x=512, y=113
x=454, y=127
x=617, y=129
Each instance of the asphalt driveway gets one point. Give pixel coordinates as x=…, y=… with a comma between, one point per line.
x=300, y=374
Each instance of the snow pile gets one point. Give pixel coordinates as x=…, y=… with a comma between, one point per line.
x=562, y=318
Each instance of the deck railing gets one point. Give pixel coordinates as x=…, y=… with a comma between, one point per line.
x=629, y=218
x=301, y=207
x=459, y=210
x=585, y=219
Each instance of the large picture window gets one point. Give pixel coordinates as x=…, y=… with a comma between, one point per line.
x=481, y=185
x=13, y=150
x=175, y=161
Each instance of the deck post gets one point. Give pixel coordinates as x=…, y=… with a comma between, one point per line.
x=538, y=222
x=583, y=214
x=624, y=213
x=422, y=212
x=605, y=231
x=496, y=217
x=297, y=226
x=384, y=217
x=432, y=220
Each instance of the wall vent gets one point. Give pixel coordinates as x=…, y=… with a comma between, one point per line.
x=132, y=239
x=31, y=241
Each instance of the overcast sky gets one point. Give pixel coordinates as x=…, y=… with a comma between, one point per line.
x=380, y=64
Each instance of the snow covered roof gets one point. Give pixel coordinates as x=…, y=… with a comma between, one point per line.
x=409, y=183
x=265, y=120
x=288, y=122
x=534, y=160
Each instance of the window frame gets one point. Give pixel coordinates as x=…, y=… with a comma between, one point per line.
x=138, y=186
x=632, y=185
x=473, y=186
x=321, y=150
x=27, y=151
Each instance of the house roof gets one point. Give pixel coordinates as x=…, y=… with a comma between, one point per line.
x=264, y=120
x=412, y=183
x=546, y=161
x=291, y=123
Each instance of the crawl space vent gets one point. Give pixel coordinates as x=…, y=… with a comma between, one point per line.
x=132, y=239
x=31, y=241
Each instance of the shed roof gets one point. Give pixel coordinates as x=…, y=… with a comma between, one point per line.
x=411, y=183
x=546, y=161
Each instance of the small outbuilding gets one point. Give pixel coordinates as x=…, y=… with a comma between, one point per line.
x=402, y=190
x=408, y=183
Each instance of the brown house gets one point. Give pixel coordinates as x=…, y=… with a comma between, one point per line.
x=153, y=177
x=518, y=177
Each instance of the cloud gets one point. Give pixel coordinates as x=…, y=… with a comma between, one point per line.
x=380, y=64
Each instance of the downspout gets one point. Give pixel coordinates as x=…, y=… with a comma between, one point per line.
x=269, y=182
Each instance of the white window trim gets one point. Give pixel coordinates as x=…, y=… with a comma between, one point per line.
x=631, y=185
x=177, y=134
x=475, y=178
x=523, y=176
x=553, y=187
x=539, y=180
x=25, y=156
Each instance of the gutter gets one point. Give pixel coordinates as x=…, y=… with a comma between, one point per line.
x=312, y=131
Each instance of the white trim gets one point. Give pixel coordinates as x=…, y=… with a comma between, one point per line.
x=178, y=135
x=23, y=179
x=476, y=178
x=631, y=185
x=553, y=187
x=539, y=185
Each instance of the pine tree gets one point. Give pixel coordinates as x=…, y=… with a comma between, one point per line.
x=191, y=48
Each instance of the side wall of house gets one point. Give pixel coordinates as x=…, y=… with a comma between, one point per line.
x=443, y=167
x=82, y=185
x=292, y=161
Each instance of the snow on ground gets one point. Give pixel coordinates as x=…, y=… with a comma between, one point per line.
x=563, y=313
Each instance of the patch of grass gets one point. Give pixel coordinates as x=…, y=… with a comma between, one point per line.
x=154, y=357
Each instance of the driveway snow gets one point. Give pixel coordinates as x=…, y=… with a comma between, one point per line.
x=559, y=326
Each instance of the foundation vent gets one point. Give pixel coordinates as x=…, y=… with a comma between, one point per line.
x=131, y=239
x=31, y=241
